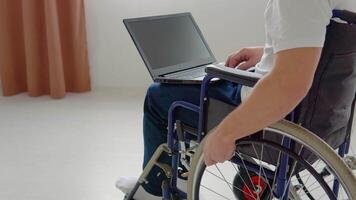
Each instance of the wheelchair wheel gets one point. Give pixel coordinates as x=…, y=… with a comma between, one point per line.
x=256, y=174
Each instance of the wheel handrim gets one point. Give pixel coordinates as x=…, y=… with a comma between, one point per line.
x=274, y=130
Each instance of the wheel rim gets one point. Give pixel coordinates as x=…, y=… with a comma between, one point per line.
x=314, y=189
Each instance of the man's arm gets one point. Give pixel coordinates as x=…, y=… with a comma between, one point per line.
x=273, y=97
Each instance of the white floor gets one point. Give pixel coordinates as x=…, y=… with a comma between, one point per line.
x=70, y=149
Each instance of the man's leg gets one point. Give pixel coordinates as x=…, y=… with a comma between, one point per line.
x=157, y=103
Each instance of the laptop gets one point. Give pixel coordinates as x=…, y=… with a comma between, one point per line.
x=172, y=47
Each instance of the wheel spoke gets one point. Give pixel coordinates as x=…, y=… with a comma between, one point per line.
x=224, y=178
x=315, y=188
x=243, y=180
x=248, y=173
x=291, y=174
x=275, y=173
x=215, y=192
x=259, y=173
x=230, y=184
x=260, y=161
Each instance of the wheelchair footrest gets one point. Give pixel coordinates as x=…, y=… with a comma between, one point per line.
x=167, y=169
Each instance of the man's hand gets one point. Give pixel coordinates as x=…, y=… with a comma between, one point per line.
x=245, y=58
x=218, y=148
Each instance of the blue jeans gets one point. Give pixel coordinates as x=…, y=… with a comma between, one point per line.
x=158, y=100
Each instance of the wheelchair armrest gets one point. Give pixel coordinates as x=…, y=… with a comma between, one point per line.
x=234, y=75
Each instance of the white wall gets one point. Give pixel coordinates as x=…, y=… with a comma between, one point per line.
x=226, y=24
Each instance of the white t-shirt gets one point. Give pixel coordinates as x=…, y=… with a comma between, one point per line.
x=293, y=24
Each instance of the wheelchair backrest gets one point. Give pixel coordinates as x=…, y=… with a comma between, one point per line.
x=327, y=109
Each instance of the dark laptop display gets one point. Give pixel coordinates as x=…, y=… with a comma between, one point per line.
x=169, y=43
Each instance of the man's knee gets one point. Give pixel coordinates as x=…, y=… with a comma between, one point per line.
x=154, y=100
x=153, y=92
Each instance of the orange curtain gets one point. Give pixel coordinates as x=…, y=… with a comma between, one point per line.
x=43, y=47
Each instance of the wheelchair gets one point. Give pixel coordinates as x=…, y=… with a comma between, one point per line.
x=307, y=155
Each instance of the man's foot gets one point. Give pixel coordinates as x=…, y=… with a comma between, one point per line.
x=125, y=185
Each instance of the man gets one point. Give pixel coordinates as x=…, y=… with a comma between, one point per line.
x=295, y=34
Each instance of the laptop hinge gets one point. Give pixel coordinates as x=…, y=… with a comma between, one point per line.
x=163, y=75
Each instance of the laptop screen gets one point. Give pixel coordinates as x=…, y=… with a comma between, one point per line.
x=169, y=43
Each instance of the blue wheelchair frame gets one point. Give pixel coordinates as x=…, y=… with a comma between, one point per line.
x=173, y=145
